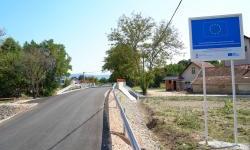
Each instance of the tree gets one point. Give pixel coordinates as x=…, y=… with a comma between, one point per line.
x=10, y=45
x=62, y=65
x=2, y=33
x=132, y=31
x=37, y=64
x=121, y=61
x=216, y=63
x=12, y=81
x=103, y=80
x=32, y=69
x=165, y=44
x=154, y=44
x=184, y=62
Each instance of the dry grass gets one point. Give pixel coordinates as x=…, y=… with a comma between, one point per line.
x=180, y=120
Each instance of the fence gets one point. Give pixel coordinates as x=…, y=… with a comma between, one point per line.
x=126, y=125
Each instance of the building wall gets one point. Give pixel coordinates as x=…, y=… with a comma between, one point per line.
x=187, y=74
x=244, y=88
x=244, y=61
x=168, y=85
x=222, y=89
x=180, y=86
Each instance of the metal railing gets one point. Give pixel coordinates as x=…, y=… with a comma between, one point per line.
x=126, y=125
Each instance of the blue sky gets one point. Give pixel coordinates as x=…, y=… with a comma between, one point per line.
x=82, y=26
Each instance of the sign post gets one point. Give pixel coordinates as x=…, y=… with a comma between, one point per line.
x=205, y=101
x=217, y=38
x=234, y=103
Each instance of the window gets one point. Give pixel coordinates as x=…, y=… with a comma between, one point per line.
x=245, y=48
x=193, y=70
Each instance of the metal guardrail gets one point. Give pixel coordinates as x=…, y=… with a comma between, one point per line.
x=126, y=125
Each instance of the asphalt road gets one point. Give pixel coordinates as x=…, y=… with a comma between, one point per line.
x=71, y=121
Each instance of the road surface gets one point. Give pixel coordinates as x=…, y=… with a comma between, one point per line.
x=72, y=121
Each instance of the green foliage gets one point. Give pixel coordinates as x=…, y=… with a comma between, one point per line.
x=12, y=81
x=121, y=61
x=228, y=107
x=10, y=45
x=174, y=69
x=32, y=69
x=184, y=62
x=67, y=82
x=150, y=43
x=216, y=63
x=61, y=65
x=168, y=70
x=145, y=80
x=103, y=80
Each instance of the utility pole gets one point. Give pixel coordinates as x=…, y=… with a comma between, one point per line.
x=83, y=76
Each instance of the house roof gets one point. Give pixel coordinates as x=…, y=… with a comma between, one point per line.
x=226, y=71
x=246, y=37
x=172, y=78
x=222, y=75
x=221, y=80
x=199, y=64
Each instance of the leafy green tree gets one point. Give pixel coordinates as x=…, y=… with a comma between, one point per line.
x=216, y=63
x=37, y=64
x=132, y=31
x=61, y=66
x=121, y=61
x=10, y=45
x=103, y=80
x=32, y=69
x=184, y=62
x=2, y=33
x=12, y=81
x=154, y=44
x=174, y=69
x=67, y=82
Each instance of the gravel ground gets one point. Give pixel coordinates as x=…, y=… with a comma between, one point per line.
x=138, y=120
x=8, y=110
x=119, y=140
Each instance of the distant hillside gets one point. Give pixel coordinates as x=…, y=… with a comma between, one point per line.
x=98, y=76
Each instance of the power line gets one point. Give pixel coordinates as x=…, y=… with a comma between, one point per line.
x=169, y=22
x=173, y=14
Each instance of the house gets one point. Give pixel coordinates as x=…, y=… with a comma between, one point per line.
x=219, y=81
x=183, y=81
x=245, y=61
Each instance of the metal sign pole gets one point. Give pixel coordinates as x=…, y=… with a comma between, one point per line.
x=205, y=101
x=234, y=103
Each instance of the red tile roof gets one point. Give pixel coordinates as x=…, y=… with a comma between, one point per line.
x=222, y=75
x=207, y=64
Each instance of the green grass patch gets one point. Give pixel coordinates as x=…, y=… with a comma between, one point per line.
x=182, y=127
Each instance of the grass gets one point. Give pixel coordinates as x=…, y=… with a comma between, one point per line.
x=137, y=89
x=6, y=100
x=179, y=119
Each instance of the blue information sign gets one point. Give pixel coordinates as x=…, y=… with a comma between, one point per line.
x=216, y=38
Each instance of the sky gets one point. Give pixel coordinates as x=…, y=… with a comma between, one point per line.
x=82, y=26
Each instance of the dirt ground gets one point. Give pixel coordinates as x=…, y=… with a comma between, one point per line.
x=178, y=120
